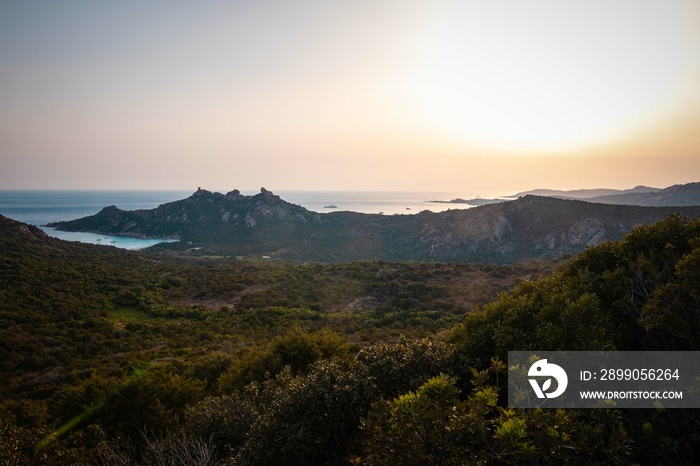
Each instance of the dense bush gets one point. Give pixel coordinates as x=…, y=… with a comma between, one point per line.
x=131, y=358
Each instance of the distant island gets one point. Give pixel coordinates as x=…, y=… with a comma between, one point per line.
x=677, y=195
x=586, y=194
x=477, y=201
x=527, y=228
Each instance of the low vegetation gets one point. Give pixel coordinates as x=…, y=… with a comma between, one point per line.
x=112, y=357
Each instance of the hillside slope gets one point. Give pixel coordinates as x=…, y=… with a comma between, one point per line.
x=322, y=363
x=528, y=228
x=585, y=194
x=676, y=195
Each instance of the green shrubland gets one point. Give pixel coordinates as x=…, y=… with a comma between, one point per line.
x=114, y=357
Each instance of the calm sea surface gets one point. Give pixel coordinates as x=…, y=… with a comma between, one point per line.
x=41, y=207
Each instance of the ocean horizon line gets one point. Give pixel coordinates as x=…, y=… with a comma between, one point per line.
x=223, y=191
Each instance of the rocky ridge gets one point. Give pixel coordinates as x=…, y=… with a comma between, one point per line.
x=677, y=195
x=531, y=227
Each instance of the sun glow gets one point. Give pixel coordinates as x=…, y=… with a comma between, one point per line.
x=539, y=84
x=390, y=95
x=486, y=110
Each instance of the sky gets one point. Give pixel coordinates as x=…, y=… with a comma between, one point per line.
x=409, y=95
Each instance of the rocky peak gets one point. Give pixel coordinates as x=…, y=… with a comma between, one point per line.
x=267, y=197
x=201, y=192
x=233, y=195
x=267, y=194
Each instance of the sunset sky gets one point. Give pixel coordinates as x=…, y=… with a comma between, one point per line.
x=473, y=96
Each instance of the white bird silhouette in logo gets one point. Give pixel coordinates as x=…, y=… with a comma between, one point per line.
x=544, y=369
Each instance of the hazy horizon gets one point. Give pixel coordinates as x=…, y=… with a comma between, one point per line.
x=476, y=97
x=252, y=191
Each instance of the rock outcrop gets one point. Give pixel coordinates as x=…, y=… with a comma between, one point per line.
x=528, y=228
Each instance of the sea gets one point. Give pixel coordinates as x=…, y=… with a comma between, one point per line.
x=39, y=207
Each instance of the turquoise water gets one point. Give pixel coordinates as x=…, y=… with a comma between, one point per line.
x=42, y=207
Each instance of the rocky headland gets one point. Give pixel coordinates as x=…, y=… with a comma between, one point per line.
x=528, y=228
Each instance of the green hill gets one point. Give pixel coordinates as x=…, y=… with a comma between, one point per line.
x=117, y=357
x=529, y=228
